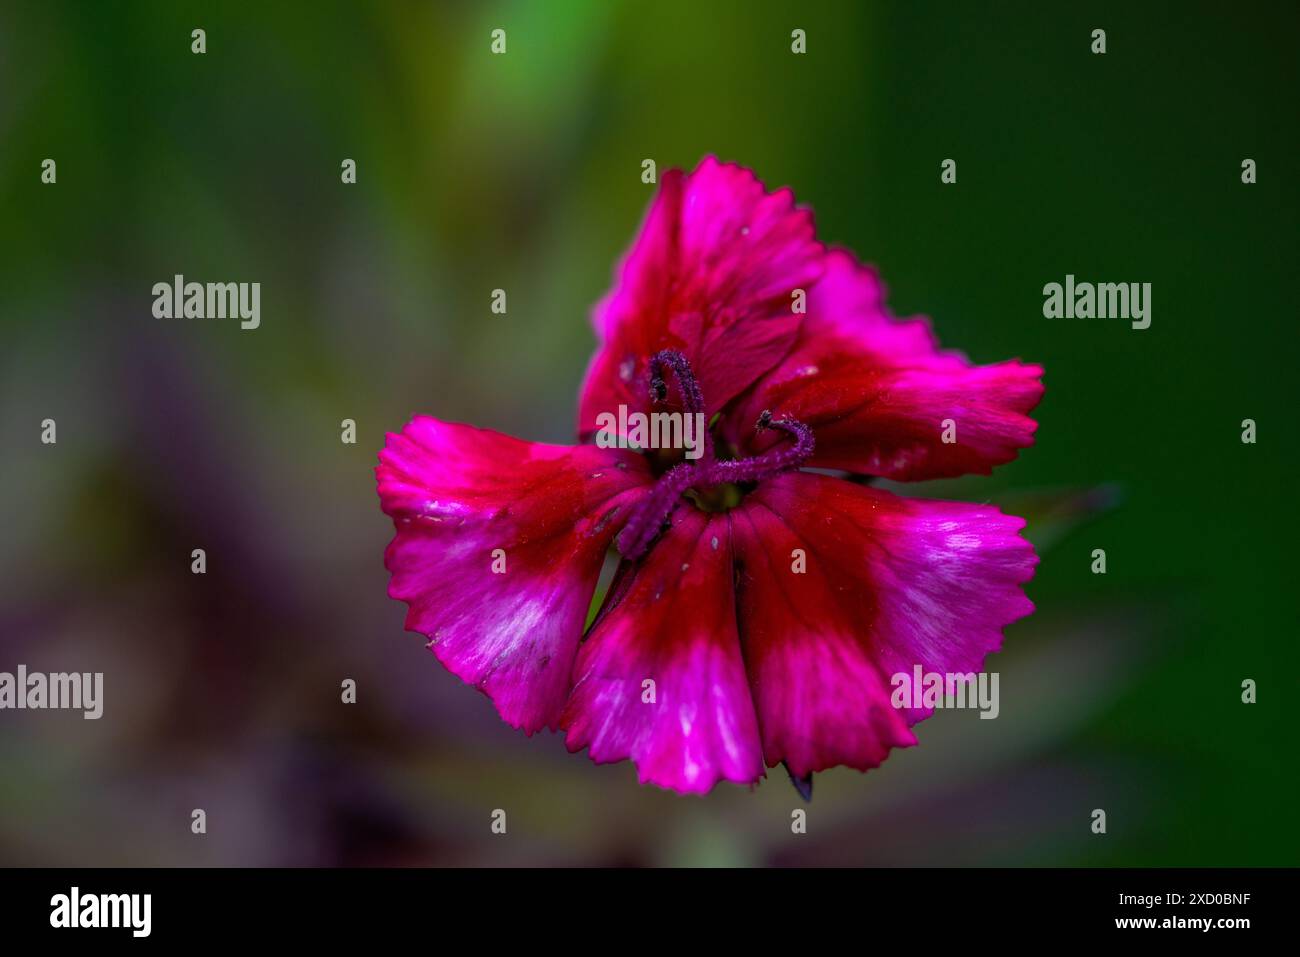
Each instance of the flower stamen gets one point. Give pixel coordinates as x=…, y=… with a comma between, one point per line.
x=692, y=396
x=772, y=462
x=653, y=512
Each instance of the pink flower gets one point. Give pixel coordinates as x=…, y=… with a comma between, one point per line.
x=714, y=653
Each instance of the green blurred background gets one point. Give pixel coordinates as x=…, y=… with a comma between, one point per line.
x=522, y=172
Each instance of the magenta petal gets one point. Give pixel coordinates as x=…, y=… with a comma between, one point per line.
x=711, y=275
x=675, y=626
x=878, y=392
x=821, y=697
x=890, y=583
x=457, y=494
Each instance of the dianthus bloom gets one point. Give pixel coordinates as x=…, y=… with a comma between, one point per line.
x=759, y=609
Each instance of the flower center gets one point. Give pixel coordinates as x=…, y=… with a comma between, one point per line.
x=713, y=484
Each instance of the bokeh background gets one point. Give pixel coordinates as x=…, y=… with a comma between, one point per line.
x=523, y=172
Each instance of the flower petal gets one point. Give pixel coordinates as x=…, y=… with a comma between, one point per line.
x=456, y=494
x=889, y=583
x=877, y=391
x=711, y=275
x=675, y=626
x=821, y=698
